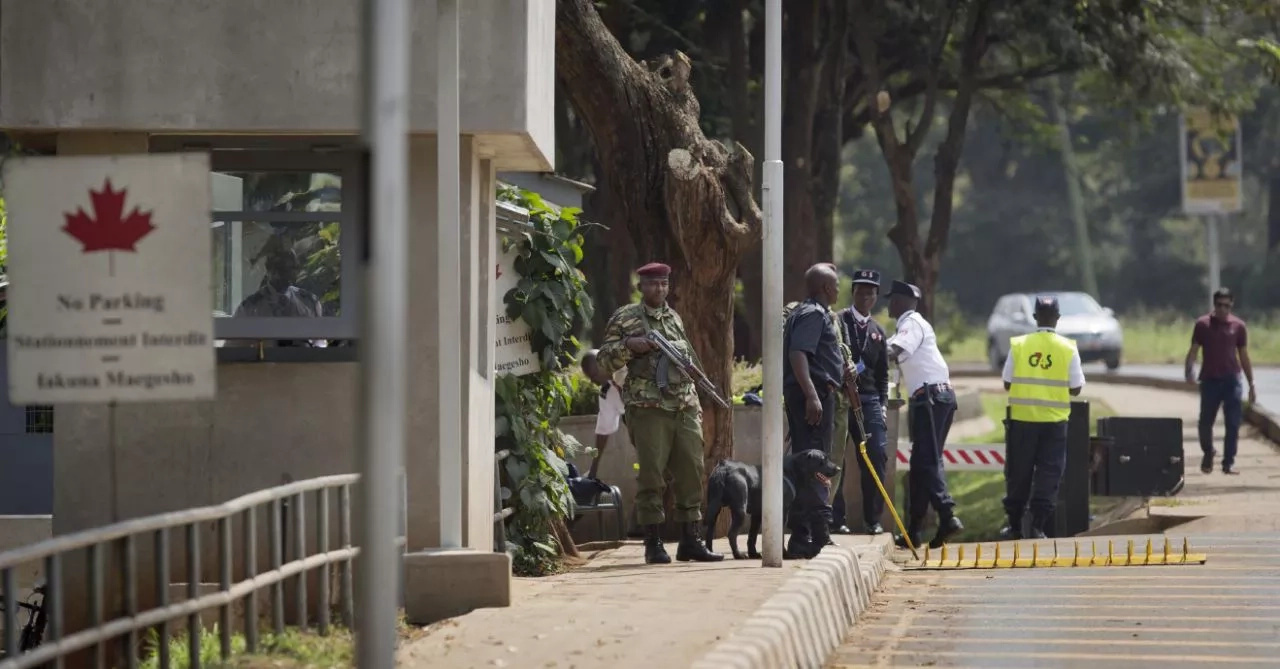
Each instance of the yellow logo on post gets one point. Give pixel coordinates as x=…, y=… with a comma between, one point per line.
x=1211, y=163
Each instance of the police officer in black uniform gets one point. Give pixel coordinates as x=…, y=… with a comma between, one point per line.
x=867, y=343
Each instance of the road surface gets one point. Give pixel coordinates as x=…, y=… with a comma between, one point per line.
x=1224, y=613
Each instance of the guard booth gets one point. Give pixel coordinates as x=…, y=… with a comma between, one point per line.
x=270, y=90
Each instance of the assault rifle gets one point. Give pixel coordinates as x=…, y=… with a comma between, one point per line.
x=672, y=355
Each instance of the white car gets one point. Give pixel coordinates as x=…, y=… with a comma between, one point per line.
x=1097, y=333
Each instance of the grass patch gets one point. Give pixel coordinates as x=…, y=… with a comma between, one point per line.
x=295, y=649
x=979, y=495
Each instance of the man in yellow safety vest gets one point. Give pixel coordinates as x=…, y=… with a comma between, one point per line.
x=1042, y=373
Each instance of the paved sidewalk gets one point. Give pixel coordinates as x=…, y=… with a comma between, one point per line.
x=614, y=612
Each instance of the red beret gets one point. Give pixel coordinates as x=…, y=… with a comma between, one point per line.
x=654, y=270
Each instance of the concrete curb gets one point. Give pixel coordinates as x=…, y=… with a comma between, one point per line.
x=808, y=617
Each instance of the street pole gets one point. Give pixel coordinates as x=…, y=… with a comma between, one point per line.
x=1212, y=244
x=448, y=271
x=772, y=359
x=384, y=333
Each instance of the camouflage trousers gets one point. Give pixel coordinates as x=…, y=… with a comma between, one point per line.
x=667, y=441
x=839, y=444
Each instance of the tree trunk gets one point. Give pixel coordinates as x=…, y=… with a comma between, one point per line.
x=685, y=200
x=922, y=264
x=828, y=127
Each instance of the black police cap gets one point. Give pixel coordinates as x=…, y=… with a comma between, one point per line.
x=1046, y=304
x=905, y=289
x=869, y=277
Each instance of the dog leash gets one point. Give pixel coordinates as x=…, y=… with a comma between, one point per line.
x=862, y=449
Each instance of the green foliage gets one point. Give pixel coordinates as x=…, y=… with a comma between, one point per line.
x=1267, y=53
x=586, y=395
x=551, y=298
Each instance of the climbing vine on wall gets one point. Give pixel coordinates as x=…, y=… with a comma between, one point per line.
x=551, y=298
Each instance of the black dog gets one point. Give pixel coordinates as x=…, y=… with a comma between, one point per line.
x=736, y=485
x=810, y=520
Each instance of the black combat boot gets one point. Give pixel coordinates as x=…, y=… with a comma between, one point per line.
x=913, y=533
x=1012, y=531
x=947, y=526
x=691, y=546
x=1038, y=523
x=654, y=551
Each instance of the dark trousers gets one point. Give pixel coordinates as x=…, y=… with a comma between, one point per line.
x=810, y=514
x=1035, y=456
x=1224, y=393
x=803, y=435
x=876, y=438
x=931, y=413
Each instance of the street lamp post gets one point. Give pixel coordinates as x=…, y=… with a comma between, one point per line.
x=772, y=359
x=384, y=333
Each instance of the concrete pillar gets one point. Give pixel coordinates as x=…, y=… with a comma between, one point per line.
x=479, y=251
x=446, y=583
x=475, y=348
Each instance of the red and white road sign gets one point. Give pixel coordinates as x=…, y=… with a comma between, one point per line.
x=966, y=457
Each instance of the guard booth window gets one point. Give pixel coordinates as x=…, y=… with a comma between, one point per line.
x=284, y=248
x=39, y=419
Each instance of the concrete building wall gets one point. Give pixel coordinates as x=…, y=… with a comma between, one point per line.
x=282, y=66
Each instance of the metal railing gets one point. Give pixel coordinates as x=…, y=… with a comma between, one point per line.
x=286, y=507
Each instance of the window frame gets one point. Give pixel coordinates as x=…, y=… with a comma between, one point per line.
x=348, y=166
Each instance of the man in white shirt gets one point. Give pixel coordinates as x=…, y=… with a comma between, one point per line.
x=927, y=380
x=609, y=415
x=1042, y=374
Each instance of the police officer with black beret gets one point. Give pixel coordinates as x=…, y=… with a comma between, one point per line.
x=867, y=345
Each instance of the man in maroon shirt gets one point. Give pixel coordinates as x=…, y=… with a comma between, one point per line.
x=1224, y=339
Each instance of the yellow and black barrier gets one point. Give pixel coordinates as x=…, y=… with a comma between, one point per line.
x=954, y=557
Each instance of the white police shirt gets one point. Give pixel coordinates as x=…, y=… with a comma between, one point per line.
x=920, y=360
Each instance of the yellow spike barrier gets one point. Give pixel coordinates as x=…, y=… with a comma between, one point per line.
x=1152, y=557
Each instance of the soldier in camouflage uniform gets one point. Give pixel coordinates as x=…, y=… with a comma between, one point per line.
x=665, y=426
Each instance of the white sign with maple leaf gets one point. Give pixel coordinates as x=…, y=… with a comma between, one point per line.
x=110, y=279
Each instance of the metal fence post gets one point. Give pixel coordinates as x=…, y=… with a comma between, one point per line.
x=300, y=553
x=224, y=584
x=94, y=563
x=277, y=558
x=322, y=546
x=347, y=596
x=162, y=592
x=193, y=592
x=250, y=571
x=129, y=575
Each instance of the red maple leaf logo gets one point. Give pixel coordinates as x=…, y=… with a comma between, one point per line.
x=110, y=231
